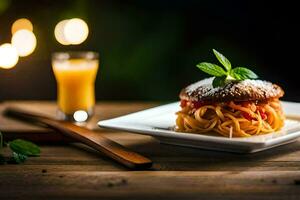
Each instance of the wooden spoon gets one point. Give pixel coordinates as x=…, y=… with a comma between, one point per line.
x=93, y=139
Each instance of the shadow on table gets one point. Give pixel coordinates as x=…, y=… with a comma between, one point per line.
x=171, y=157
x=177, y=158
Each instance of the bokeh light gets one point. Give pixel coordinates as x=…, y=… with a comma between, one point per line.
x=59, y=32
x=20, y=24
x=73, y=31
x=24, y=41
x=8, y=56
x=80, y=116
x=76, y=31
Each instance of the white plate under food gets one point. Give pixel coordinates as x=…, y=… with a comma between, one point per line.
x=160, y=121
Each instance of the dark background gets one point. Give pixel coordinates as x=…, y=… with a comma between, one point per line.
x=149, y=49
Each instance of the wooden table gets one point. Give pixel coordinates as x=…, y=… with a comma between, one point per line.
x=73, y=171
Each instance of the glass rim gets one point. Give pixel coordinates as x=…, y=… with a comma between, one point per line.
x=65, y=55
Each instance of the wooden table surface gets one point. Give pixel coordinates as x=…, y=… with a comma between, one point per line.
x=74, y=171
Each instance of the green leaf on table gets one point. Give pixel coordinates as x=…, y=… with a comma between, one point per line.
x=223, y=60
x=242, y=73
x=18, y=158
x=211, y=69
x=24, y=147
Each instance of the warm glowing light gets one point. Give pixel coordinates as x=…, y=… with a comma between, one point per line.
x=8, y=56
x=59, y=32
x=72, y=31
x=22, y=23
x=80, y=116
x=24, y=41
x=76, y=31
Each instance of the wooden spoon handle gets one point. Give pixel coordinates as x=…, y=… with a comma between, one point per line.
x=93, y=139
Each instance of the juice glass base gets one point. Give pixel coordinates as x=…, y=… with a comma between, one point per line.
x=77, y=116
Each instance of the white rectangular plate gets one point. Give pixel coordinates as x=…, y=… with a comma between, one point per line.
x=160, y=121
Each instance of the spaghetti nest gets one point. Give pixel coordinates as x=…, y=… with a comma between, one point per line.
x=231, y=119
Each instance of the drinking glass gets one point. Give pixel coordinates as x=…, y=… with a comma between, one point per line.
x=75, y=74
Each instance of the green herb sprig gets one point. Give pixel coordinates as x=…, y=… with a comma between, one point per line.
x=21, y=149
x=225, y=73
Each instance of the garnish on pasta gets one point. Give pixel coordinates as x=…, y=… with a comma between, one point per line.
x=230, y=103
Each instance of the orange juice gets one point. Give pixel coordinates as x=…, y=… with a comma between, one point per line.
x=75, y=84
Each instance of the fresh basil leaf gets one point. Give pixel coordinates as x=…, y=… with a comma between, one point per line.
x=223, y=60
x=242, y=73
x=219, y=81
x=211, y=69
x=18, y=158
x=24, y=147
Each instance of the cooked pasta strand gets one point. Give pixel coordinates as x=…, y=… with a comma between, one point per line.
x=232, y=119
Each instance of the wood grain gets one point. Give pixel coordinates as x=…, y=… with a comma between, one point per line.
x=12, y=128
x=74, y=171
x=85, y=136
x=153, y=185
